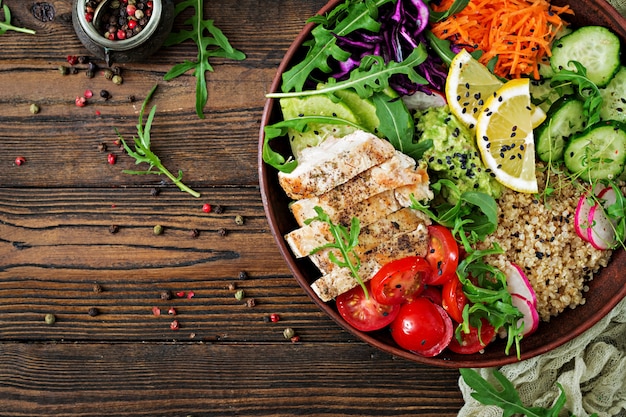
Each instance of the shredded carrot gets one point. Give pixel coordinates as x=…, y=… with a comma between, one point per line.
x=518, y=32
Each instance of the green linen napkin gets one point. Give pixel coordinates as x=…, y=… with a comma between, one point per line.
x=620, y=6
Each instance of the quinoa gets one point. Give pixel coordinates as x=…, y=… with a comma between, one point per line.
x=538, y=235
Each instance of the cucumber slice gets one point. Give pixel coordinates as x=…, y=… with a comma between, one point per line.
x=565, y=118
x=595, y=47
x=614, y=98
x=597, y=153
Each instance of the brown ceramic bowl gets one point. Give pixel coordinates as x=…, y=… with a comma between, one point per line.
x=605, y=290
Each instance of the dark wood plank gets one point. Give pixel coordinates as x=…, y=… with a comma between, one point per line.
x=204, y=379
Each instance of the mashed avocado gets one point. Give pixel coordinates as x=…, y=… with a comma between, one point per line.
x=453, y=155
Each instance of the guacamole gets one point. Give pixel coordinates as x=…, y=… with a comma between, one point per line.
x=454, y=155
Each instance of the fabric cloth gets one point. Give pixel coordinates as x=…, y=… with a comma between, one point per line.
x=620, y=6
x=590, y=368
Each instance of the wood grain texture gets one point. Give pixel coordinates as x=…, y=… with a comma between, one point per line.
x=55, y=245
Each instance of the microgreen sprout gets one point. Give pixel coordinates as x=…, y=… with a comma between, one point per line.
x=345, y=241
x=142, y=152
x=587, y=89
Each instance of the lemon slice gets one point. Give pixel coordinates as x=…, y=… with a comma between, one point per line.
x=468, y=86
x=504, y=136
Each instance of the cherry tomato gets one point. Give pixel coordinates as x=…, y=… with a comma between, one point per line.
x=470, y=342
x=400, y=281
x=432, y=293
x=365, y=314
x=443, y=255
x=454, y=299
x=422, y=327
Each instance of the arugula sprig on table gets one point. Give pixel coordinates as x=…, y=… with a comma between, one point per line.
x=213, y=44
x=345, y=241
x=142, y=152
x=507, y=398
x=6, y=24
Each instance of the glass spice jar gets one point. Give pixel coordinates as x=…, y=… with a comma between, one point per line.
x=112, y=39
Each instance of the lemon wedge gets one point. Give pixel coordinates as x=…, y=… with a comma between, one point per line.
x=468, y=86
x=504, y=136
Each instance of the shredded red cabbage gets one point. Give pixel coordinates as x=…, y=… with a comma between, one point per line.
x=402, y=28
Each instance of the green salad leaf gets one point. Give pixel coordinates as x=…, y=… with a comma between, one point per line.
x=211, y=42
x=344, y=19
x=587, y=89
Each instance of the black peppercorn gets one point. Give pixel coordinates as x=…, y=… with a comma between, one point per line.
x=93, y=312
x=97, y=288
x=243, y=275
x=166, y=295
x=194, y=233
x=218, y=209
x=114, y=228
x=105, y=94
x=222, y=232
x=155, y=192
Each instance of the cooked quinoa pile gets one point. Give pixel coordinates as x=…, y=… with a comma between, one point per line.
x=539, y=236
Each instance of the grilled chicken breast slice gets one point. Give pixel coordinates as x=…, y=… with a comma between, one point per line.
x=336, y=160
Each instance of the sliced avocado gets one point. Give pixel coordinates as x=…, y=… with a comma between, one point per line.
x=363, y=109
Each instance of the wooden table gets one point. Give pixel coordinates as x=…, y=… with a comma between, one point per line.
x=59, y=255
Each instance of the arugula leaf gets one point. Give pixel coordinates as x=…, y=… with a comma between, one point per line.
x=213, y=44
x=351, y=16
x=300, y=124
x=456, y=7
x=142, y=152
x=507, y=398
x=6, y=24
x=345, y=241
x=370, y=77
x=587, y=89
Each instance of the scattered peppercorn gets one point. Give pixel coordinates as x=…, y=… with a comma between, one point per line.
x=250, y=302
x=102, y=147
x=174, y=325
x=194, y=233
x=218, y=209
x=20, y=160
x=111, y=159
x=105, y=94
x=180, y=294
x=157, y=230
x=83, y=59
x=114, y=229
x=72, y=60
x=80, y=101
x=156, y=311
x=50, y=319
x=206, y=208
x=117, y=79
x=190, y=295
x=88, y=94
x=266, y=319
x=222, y=232
x=239, y=294
x=93, y=312
x=132, y=98
x=243, y=275
x=239, y=220
x=295, y=339
x=171, y=311
x=232, y=286
x=155, y=192
x=117, y=70
x=34, y=108
x=274, y=318
x=90, y=74
x=108, y=74
x=166, y=295
x=63, y=70
x=289, y=333
x=97, y=288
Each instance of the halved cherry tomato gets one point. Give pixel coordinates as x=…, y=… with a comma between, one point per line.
x=422, y=327
x=432, y=293
x=365, y=314
x=471, y=342
x=401, y=280
x=443, y=255
x=454, y=299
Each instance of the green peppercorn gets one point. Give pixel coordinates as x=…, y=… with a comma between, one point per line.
x=34, y=108
x=289, y=333
x=50, y=319
x=108, y=74
x=117, y=80
x=239, y=294
x=239, y=220
x=63, y=70
x=158, y=229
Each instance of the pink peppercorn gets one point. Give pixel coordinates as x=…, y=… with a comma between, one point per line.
x=20, y=160
x=111, y=158
x=81, y=101
x=121, y=34
x=156, y=311
x=171, y=311
x=88, y=94
x=206, y=208
x=132, y=24
x=274, y=317
x=174, y=325
x=130, y=10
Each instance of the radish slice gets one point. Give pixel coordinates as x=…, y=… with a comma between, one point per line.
x=421, y=100
x=581, y=216
x=518, y=284
x=601, y=231
x=531, y=317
